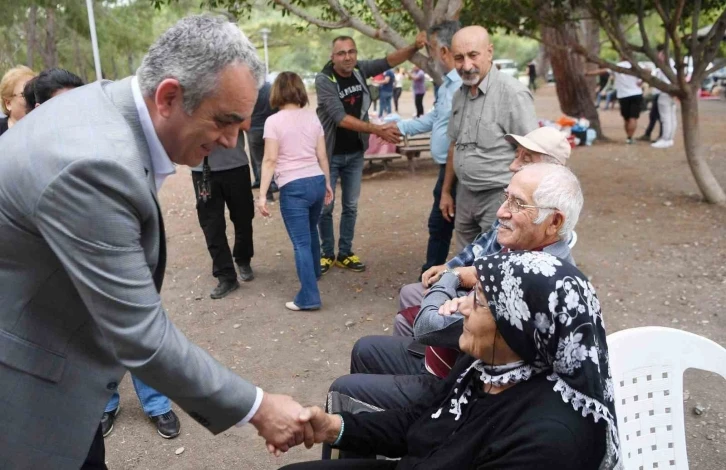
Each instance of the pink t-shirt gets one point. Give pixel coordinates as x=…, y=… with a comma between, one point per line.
x=297, y=132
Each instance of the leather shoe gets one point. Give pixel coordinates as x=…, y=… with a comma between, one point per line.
x=167, y=425
x=245, y=272
x=224, y=287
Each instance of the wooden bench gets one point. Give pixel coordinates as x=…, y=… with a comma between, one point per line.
x=383, y=157
x=411, y=151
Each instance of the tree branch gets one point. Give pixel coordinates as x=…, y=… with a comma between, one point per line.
x=301, y=13
x=663, y=65
x=428, y=11
x=711, y=43
x=696, y=50
x=416, y=13
x=376, y=14
x=720, y=63
x=670, y=23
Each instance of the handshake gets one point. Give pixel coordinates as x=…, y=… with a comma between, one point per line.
x=284, y=424
x=388, y=132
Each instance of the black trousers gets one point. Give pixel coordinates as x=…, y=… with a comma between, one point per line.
x=418, y=99
x=96, y=459
x=396, y=95
x=654, y=117
x=233, y=188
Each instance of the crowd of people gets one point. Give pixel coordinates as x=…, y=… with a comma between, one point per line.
x=499, y=357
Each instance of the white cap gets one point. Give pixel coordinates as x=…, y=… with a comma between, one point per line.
x=544, y=140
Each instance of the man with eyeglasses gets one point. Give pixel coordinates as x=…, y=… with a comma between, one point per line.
x=538, y=211
x=343, y=102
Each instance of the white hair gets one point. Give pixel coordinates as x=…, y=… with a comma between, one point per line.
x=560, y=189
x=195, y=51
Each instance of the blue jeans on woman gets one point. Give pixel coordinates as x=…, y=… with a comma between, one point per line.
x=301, y=203
x=153, y=402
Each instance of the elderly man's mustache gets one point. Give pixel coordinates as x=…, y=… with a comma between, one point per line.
x=474, y=71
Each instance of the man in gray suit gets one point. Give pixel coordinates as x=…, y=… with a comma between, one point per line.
x=83, y=254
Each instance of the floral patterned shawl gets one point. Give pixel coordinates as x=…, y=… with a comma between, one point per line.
x=548, y=313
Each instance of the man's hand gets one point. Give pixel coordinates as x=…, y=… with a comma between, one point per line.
x=388, y=132
x=421, y=40
x=467, y=276
x=447, y=206
x=277, y=422
x=319, y=426
x=431, y=275
x=451, y=306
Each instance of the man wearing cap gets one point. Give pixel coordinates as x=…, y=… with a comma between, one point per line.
x=393, y=371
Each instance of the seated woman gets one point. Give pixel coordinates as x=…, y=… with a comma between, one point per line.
x=534, y=392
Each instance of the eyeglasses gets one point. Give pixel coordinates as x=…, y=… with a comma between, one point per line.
x=515, y=206
x=477, y=301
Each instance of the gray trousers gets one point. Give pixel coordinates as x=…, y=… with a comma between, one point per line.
x=410, y=295
x=475, y=213
x=667, y=110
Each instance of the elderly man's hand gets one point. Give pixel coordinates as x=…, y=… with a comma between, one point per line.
x=431, y=275
x=277, y=422
x=320, y=426
x=467, y=276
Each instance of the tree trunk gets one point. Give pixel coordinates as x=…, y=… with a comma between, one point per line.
x=591, y=34
x=51, y=51
x=114, y=70
x=132, y=71
x=707, y=183
x=31, y=37
x=78, y=57
x=542, y=62
x=573, y=91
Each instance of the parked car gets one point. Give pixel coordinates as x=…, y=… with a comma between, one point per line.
x=507, y=66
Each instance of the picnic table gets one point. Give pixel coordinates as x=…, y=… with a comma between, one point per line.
x=413, y=146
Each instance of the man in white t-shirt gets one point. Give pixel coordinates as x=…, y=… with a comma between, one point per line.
x=630, y=97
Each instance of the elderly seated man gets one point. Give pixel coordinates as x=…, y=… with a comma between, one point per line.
x=539, y=211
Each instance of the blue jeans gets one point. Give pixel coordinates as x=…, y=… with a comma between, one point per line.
x=440, y=230
x=386, y=102
x=301, y=202
x=349, y=167
x=153, y=402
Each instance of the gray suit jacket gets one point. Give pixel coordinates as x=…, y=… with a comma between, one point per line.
x=80, y=244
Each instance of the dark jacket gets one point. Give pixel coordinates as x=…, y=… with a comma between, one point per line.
x=330, y=107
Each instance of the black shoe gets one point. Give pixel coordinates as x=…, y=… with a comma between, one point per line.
x=245, y=272
x=325, y=263
x=167, y=425
x=107, y=421
x=351, y=262
x=224, y=287
x=644, y=138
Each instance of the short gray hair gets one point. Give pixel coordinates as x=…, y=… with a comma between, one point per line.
x=559, y=188
x=195, y=51
x=444, y=32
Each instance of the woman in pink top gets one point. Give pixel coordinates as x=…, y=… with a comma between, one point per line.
x=295, y=152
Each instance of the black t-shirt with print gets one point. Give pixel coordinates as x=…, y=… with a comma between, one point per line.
x=351, y=94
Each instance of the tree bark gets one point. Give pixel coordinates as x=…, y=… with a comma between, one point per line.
x=573, y=91
x=591, y=34
x=51, y=50
x=31, y=36
x=706, y=181
x=542, y=62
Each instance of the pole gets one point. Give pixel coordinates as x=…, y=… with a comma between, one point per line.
x=94, y=39
x=265, y=33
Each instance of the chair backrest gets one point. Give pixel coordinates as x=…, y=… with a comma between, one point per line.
x=647, y=366
x=573, y=240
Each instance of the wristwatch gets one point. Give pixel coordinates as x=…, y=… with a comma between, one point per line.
x=455, y=273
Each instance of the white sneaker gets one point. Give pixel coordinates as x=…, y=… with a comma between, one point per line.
x=662, y=144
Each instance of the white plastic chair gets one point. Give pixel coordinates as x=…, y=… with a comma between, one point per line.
x=573, y=240
x=647, y=366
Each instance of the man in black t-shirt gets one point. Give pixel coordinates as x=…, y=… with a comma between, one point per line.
x=343, y=101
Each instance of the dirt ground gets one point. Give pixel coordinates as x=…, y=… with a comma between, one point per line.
x=656, y=254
